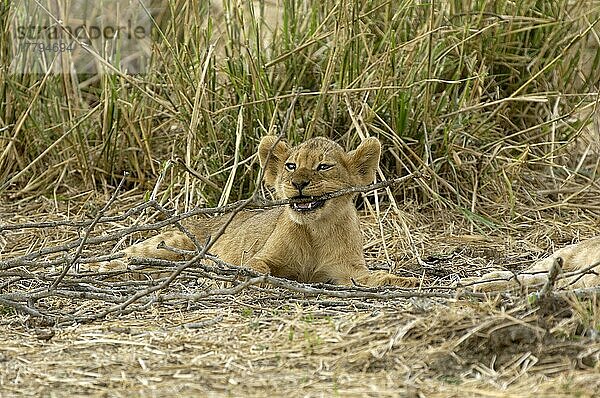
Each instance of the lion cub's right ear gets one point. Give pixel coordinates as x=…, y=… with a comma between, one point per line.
x=364, y=161
x=279, y=153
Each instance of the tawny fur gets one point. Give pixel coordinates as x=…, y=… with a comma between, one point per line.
x=323, y=245
x=576, y=257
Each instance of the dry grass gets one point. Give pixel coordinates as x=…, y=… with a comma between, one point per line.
x=472, y=92
x=283, y=342
x=495, y=103
x=257, y=344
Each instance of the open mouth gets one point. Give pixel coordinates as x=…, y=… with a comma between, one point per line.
x=307, y=205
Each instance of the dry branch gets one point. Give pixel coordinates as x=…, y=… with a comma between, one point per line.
x=31, y=279
x=553, y=273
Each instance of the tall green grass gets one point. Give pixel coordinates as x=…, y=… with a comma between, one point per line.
x=483, y=95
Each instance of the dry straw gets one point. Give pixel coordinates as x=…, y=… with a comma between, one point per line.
x=490, y=110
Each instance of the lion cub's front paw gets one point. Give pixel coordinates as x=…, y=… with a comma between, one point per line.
x=114, y=266
x=400, y=281
x=491, y=282
x=259, y=266
x=382, y=278
x=105, y=266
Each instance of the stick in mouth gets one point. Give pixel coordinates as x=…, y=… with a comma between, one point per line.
x=306, y=205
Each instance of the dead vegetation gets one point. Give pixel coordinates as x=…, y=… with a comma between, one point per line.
x=491, y=106
x=219, y=330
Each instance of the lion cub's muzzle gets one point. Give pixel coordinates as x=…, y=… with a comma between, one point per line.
x=306, y=204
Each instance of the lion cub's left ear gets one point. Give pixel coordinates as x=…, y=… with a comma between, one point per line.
x=364, y=161
x=279, y=153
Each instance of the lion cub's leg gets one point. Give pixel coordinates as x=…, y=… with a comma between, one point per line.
x=574, y=257
x=503, y=280
x=148, y=249
x=383, y=278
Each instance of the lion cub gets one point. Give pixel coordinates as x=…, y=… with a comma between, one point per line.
x=315, y=241
x=582, y=259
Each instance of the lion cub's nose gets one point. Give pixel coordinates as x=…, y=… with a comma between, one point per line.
x=300, y=185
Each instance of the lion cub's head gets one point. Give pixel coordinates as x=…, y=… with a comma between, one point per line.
x=314, y=168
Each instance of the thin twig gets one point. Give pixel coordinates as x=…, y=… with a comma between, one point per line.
x=256, y=203
x=553, y=273
x=86, y=234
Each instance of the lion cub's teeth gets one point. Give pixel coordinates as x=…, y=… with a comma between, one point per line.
x=305, y=206
x=308, y=206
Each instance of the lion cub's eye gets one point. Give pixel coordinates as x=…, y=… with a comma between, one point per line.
x=290, y=166
x=324, y=166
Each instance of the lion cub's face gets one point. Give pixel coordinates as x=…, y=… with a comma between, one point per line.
x=314, y=168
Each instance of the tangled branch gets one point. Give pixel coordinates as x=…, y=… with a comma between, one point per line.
x=53, y=272
x=29, y=281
